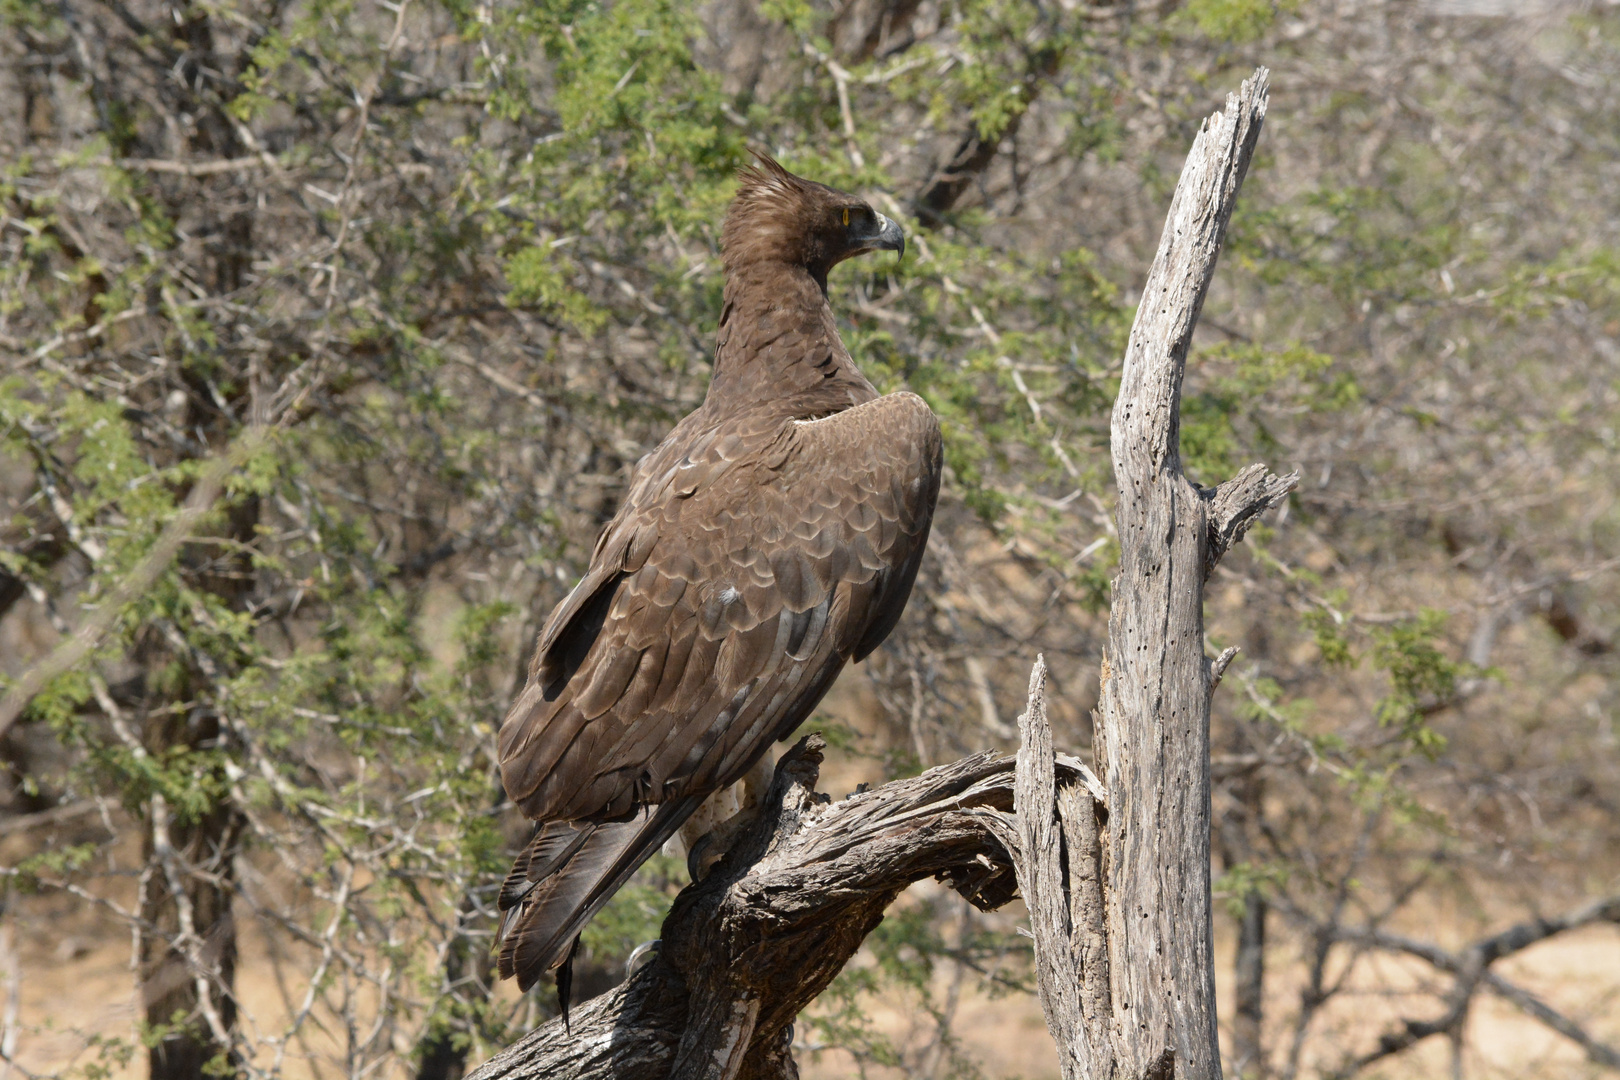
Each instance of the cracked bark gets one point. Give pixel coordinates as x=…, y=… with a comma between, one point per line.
x=1153, y=743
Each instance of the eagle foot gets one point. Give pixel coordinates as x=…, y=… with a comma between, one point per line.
x=724, y=816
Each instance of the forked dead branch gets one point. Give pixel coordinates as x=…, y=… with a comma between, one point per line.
x=1115, y=871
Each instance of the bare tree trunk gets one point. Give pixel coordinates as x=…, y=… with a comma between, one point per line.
x=469, y=965
x=188, y=954
x=1115, y=872
x=1153, y=748
x=1245, y=788
x=974, y=153
x=865, y=29
x=1125, y=960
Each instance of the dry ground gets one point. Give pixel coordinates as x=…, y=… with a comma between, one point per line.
x=76, y=983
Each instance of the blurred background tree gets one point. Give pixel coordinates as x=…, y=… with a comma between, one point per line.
x=439, y=272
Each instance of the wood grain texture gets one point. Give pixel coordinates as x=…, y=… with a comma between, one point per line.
x=1153, y=742
x=1044, y=869
x=1116, y=874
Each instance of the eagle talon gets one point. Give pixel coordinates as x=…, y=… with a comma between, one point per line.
x=641, y=956
x=698, y=861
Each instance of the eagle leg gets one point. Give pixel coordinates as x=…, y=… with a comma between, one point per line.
x=709, y=833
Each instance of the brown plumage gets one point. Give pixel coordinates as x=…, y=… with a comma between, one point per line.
x=771, y=537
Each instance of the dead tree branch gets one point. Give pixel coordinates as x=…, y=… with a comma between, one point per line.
x=1121, y=913
x=754, y=943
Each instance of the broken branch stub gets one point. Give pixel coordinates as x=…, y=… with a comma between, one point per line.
x=1055, y=844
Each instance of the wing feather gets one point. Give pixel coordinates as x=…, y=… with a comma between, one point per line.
x=542, y=916
x=609, y=680
x=861, y=554
x=649, y=672
x=718, y=609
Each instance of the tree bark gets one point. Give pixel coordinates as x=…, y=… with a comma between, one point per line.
x=1153, y=746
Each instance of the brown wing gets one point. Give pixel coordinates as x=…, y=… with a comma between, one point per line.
x=727, y=601
x=719, y=608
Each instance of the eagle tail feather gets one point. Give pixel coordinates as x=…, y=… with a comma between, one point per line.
x=565, y=875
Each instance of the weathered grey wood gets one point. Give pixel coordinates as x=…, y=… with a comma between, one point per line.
x=1088, y=919
x=1153, y=744
x=1056, y=851
x=1043, y=879
x=1116, y=875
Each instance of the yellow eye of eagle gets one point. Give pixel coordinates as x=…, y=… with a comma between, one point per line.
x=846, y=217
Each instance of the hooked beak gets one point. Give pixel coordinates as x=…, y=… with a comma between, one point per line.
x=889, y=237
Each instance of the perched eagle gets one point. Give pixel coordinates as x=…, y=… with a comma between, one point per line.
x=772, y=536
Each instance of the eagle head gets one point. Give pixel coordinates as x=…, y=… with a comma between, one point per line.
x=782, y=218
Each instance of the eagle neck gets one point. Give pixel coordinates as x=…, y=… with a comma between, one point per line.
x=778, y=347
